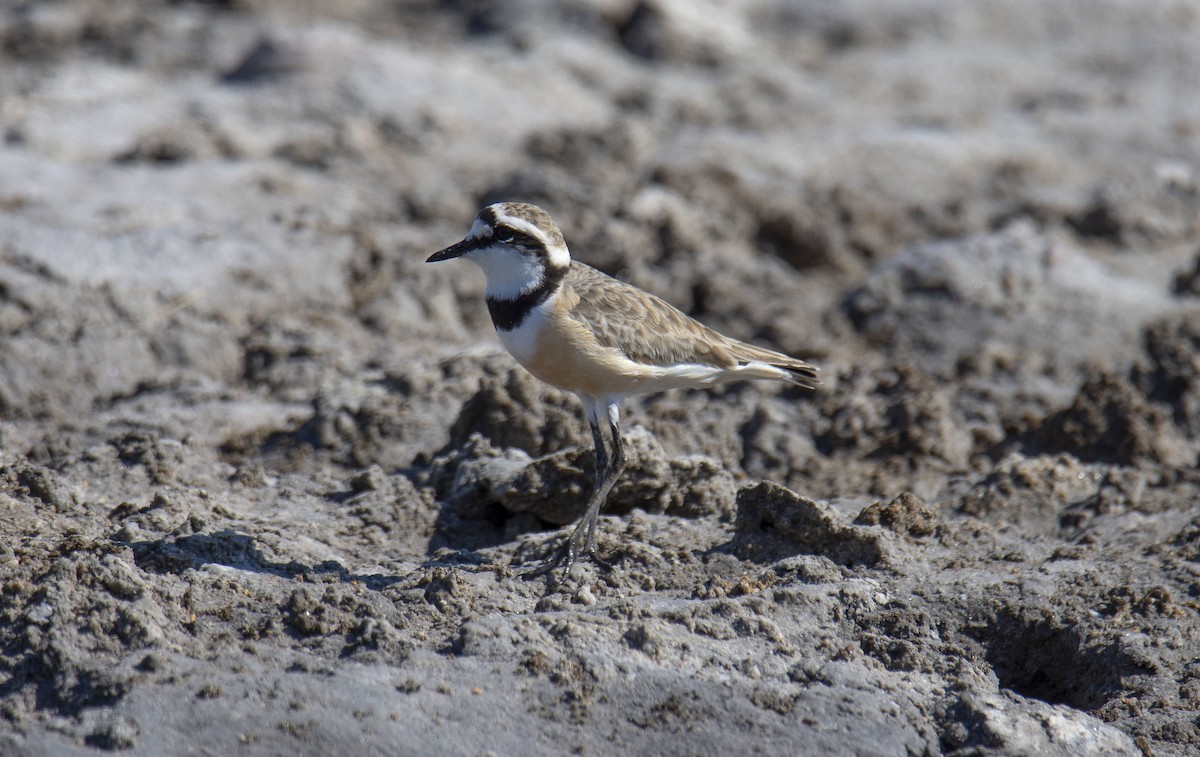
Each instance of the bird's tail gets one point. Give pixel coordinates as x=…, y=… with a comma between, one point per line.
x=756, y=362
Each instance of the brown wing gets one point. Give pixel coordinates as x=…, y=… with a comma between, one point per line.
x=647, y=329
x=650, y=330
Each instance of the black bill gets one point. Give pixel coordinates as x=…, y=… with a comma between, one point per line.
x=454, y=251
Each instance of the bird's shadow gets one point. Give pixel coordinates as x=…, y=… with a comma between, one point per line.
x=239, y=551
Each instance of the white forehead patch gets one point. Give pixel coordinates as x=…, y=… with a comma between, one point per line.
x=479, y=229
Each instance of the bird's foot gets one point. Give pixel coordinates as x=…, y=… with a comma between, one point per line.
x=581, y=542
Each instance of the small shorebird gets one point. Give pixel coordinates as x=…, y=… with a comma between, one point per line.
x=585, y=332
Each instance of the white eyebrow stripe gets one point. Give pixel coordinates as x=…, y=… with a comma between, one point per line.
x=520, y=224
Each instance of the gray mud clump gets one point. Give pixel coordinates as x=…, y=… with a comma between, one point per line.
x=268, y=481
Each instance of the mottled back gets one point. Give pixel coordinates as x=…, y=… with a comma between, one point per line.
x=645, y=328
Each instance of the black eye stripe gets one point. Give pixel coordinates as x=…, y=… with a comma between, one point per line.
x=509, y=234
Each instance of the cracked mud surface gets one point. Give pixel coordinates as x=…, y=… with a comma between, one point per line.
x=267, y=480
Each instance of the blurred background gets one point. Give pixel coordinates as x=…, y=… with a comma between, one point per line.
x=220, y=345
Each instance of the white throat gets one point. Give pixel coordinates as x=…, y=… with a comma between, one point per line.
x=509, y=274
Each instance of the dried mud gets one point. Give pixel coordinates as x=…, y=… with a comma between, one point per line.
x=267, y=481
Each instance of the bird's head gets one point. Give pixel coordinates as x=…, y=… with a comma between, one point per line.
x=517, y=245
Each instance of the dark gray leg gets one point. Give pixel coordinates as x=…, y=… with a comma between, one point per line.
x=603, y=487
x=583, y=538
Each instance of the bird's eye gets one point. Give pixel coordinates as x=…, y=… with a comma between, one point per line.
x=505, y=235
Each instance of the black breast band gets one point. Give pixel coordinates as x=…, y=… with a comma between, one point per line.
x=509, y=314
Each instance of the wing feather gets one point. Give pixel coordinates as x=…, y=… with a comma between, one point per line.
x=651, y=331
x=645, y=328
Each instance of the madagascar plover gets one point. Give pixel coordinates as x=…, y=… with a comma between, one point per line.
x=582, y=331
